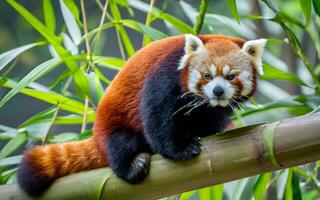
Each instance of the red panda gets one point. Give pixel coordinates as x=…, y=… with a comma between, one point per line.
x=168, y=94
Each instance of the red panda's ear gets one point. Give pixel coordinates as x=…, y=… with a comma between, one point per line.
x=192, y=44
x=255, y=49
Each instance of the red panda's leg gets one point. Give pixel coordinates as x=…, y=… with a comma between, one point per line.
x=158, y=107
x=173, y=145
x=128, y=155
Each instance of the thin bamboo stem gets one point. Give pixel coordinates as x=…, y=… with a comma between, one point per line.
x=199, y=21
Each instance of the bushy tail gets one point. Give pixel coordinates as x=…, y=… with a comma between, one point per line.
x=42, y=164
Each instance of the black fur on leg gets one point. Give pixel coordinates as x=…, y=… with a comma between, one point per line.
x=29, y=179
x=185, y=150
x=128, y=155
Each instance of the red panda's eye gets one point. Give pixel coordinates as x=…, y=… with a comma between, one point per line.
x=207, y=76
x=231, y=77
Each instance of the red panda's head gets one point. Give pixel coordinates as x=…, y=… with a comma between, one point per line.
x=221, y=70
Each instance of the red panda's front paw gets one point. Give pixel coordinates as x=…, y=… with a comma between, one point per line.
x=139, y=168
x=184, y=153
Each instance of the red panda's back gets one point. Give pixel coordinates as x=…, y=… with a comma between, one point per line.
x=120, y=104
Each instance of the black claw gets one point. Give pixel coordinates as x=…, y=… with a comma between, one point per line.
x=139, y=168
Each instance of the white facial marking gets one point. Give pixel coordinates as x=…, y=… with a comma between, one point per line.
x=213, y=70
x=194, y=76
x=223, y=103
x=246, y=79
x=225, y=70
x=226, y=86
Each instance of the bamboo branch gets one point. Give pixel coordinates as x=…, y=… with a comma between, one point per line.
x=199, y=21
x=233, y=155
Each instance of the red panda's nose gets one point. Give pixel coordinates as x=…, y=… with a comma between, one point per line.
x=218, y=91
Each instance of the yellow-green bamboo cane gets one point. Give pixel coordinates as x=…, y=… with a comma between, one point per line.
x=233, y=155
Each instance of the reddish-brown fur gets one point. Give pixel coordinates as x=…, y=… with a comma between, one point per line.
x=118, y=108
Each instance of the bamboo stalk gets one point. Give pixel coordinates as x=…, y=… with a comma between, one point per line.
x=233, y=155
x=202, y=12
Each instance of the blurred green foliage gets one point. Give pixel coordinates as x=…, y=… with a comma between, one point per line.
x=77, y=68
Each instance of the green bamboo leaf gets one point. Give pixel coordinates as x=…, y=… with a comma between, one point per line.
x=74, y=119
x=217, y=191
x=101, y=76
x=306, y=9
x=243, y=188
x=6, y=135
x=53, y=98
x=6, y=176
x=8, y=56
x=246, y=192
x=233, y=8
x=200, y=18
x=187, y=195
x=69, y=44
x=109, y=62
x=63, y=137
x=36, y=73
x=85, y=135
x=283, y=103
x=13, y=145
x=63, y=120
x=39, y=116
x=154, y=34
x=82, y=85
x=281, y=183
x=5, y=128
x=49, y=16
x=72, y=6
x=286, y=17
x=35, y=23
x=125, y=4
x=310, y=195
x=261, y=186
x=80, y=80
x=205, y=193
x=294, y=41
x=178, y=24
x=91, y=33
x=229, y=25
x=12, y=160
x=36, y=132
x=71, y=23
x=288, y=195
x=97, y=89
x=316, y=6
x=296, y=192
x=123, y=34
x=273, y=73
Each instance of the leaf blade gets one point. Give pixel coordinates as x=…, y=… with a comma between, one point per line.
x=49, y=15
x=13, y=145
x=36, y=73
x=71, y=23
x=8, y=56
x=233, y=8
